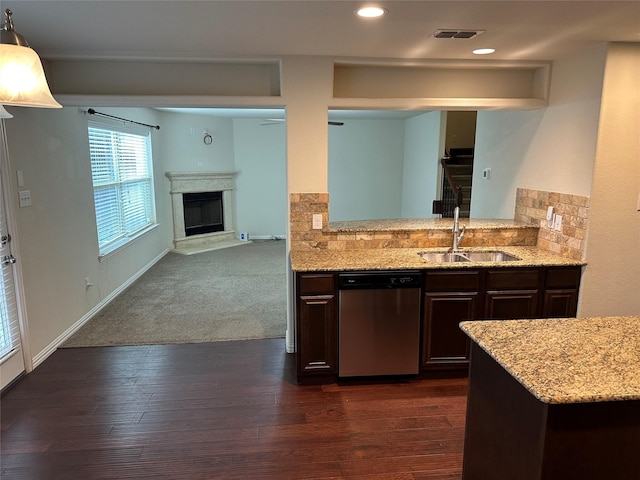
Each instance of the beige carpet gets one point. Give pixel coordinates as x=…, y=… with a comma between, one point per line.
x=230, y=294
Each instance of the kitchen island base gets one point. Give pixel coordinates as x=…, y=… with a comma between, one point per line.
x=510, y=434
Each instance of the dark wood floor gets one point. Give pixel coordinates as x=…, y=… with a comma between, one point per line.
x=228, y=410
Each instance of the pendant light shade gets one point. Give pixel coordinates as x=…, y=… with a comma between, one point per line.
x=4, y=113
x=22, y=79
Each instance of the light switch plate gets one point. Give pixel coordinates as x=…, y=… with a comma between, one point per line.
x=25, y=198
x=316, y=221
x=557, y=223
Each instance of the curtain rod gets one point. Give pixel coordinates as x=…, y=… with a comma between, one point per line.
x=91, y=111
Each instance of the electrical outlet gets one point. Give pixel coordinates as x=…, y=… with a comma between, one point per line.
x=316, y=223
x=557, y=223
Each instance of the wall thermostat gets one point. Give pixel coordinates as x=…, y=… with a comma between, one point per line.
x=208, y=138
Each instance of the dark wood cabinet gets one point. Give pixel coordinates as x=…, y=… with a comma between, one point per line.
x=511, y=434
x=512, y=293
x=561, y=292
x=504, y=305
x=450, y=298
x=444, y=345
x=560, y=303
x=316, y=326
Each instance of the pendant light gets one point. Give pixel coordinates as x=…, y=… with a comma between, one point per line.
x=22, y=80
x=4, y=113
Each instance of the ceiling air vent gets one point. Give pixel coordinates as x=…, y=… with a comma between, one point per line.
x=452, y=33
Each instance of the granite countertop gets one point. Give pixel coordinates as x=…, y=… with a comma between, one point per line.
x=408, y=258
x=406, y=224
x=570, y=360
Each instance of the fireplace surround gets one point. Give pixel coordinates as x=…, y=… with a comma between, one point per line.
x=221, y=184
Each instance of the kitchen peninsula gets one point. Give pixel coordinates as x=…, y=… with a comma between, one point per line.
x=553, y=399
x=534, y=284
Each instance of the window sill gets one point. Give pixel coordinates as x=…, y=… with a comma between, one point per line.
x=124, y=243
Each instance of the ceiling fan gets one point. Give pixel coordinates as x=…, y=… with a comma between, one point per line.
x=276, y=121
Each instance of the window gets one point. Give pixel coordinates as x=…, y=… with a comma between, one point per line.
x=9, y=320
x=9, y=328
x=122, y=172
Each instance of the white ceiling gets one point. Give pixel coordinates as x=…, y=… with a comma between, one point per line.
x=263, y=29
x=519, y=30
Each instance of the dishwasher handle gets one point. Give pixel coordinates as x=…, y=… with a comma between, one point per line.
x=383, y=280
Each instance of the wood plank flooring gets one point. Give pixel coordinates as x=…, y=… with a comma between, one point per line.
x=228, y=410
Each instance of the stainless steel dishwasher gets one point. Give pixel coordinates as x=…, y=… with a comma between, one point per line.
x=379, y=323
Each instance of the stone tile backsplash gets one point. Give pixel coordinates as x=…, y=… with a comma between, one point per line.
x=303, y=205
x=531, y=207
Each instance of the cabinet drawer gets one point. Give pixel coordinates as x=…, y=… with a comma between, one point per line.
x=321, y=283
x=454, y=281
x=563, y=277
x=513, y=279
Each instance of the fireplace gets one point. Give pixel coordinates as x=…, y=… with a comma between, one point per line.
x=202, y=211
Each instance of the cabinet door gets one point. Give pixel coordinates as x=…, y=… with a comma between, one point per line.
x=511, y=304
x=317, y=335
x=443, y=343
x=561, y=294
x=560, y=303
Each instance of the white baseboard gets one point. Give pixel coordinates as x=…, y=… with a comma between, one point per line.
x=49, y=349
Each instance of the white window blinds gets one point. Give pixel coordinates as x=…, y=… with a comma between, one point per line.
x=9, y=327
x=122, y=174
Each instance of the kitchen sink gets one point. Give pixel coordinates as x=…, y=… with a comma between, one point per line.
x=495, y=256
x=448, y=257
x=442, y=257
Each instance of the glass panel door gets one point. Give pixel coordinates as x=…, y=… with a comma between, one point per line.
x=11, y=359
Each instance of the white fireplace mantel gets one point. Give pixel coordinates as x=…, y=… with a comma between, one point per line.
x=192, y=182
x=195, y=182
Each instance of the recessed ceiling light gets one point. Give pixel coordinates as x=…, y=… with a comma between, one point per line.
x=483, y=51
x=371, y=12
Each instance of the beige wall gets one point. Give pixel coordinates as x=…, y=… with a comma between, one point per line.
x=57, y=234
x=610, y=280
x=306, y=88
x=550, y=149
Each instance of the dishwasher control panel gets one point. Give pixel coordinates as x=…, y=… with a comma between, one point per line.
x=386, y=279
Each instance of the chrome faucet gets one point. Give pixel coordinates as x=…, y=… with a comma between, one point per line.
x=456, y=228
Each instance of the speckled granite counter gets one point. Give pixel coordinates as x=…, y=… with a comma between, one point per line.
x=553, y=399
x=566, y=360
x=406, y=224
x=408, y=258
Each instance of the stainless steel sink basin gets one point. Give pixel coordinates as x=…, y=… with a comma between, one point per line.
x=496, y=256
x=448, y=257
x=442, y=257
